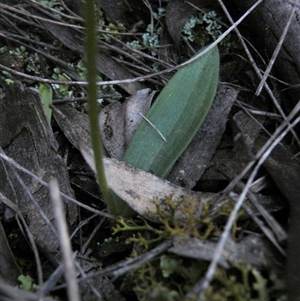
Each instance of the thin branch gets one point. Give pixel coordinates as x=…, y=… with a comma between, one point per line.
x=275, y=54
x=64, y=241
x=19, y=167
x=158, y=131
x=202, y=285
x=30, y=237
x=141, y=78
x=257, y=71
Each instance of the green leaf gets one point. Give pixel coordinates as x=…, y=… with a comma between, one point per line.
x=177, y=114
x=26, y=282
x=169, y=265
x=47, y=97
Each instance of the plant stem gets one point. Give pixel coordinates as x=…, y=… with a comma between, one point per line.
x=91, y=58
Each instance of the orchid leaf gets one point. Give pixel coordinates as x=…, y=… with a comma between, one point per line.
x=175, y=116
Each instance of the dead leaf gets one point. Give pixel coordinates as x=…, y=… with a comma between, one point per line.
x=74, y=40
x=28, y=139
x=73, y=124
x=232, y=156
x=111, y=121
x=9, y=270
x=139, y=189
x=252, y=249
x=197, y=157
x=115, y=10
x=118, y=122
x=285, y=171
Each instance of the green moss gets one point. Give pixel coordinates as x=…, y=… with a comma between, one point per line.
x=171, y=277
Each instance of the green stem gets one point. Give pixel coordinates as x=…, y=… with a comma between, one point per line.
x=91, y=58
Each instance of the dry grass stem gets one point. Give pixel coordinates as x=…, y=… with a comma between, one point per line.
x=64, y=241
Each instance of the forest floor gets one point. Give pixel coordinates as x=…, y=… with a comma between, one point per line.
x=233, y=232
